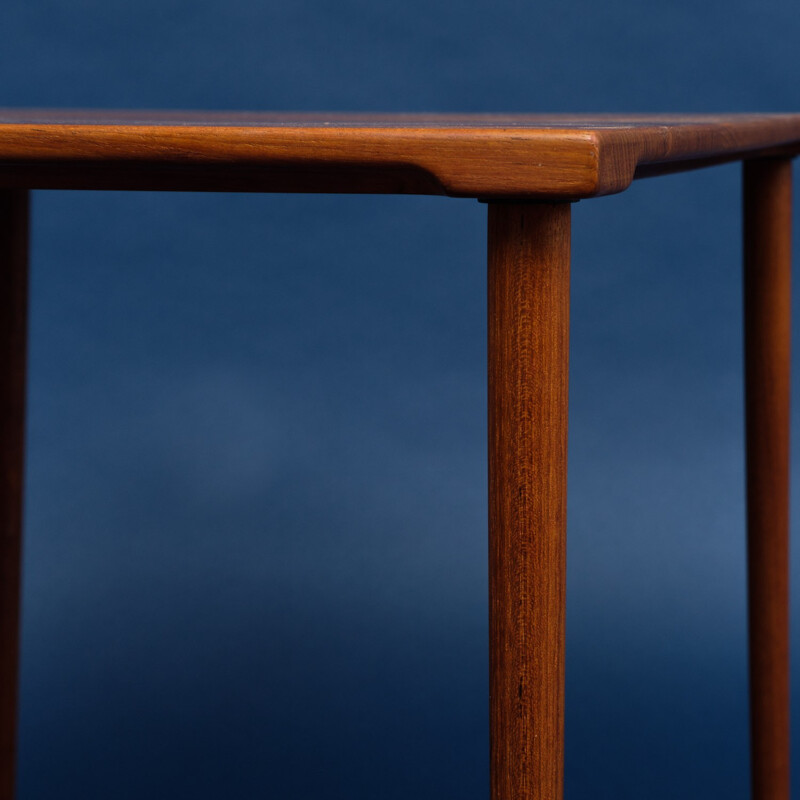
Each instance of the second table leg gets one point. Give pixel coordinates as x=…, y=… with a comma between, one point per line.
x=767, y=302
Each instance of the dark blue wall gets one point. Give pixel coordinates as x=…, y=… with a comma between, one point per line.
x=255, y=560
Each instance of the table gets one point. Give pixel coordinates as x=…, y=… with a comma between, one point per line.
x=529, y=169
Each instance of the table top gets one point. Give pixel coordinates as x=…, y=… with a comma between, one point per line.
x=488, y=156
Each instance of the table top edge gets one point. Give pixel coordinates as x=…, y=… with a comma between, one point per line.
x=475, y=155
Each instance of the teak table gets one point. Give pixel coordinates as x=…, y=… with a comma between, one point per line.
x=529, y=169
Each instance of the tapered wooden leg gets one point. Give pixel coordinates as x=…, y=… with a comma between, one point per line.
x=529, y=249
x=767, y=284
x=13, y=312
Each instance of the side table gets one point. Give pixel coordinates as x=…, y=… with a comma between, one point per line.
x=529, y=169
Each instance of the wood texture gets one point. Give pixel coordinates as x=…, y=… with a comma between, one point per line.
x=529, y=250
x=486, y=156
x=767, y=300
x=13, y=312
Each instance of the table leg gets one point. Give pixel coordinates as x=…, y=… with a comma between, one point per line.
x=529, y=253
x=13, y=313
x=767, y=309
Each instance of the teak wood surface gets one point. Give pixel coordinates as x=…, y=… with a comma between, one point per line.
x=529, y=168
x=767, y=323
x=528, y=325
x=486, y=156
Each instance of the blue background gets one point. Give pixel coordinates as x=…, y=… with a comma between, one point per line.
x=255, y=558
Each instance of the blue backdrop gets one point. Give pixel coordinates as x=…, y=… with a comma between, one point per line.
x=255, y=558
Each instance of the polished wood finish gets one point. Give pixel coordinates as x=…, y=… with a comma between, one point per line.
x=529, y=168
x=13, y=313
x=767, y=302
x=529, y=251
x=484, y=156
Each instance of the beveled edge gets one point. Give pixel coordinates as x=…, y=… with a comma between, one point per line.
x=459, y=162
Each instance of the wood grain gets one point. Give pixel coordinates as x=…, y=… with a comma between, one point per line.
x=526, y=157
x=529, y=252
x=13, y=313
x=767, y=303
